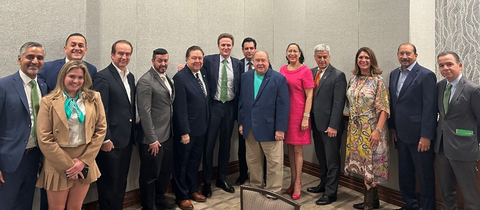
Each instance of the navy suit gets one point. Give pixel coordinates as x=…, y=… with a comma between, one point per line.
x=18, y=165
x=221, y=119
x=50, y=70
x=120, y=114
x=190, y=116
x=413, y=115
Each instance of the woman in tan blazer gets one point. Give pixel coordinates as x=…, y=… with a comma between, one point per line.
x=71, y=127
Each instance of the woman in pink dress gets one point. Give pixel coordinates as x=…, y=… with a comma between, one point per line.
x=300, y=88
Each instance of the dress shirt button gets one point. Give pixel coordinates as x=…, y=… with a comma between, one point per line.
x=130, y=120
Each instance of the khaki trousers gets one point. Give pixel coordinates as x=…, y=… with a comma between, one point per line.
x=273, y=151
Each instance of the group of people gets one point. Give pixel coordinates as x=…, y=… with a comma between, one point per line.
x=84, y=128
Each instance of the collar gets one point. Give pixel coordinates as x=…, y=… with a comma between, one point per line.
x=409, y=68
x=26, y=79
x=159, y=74
x=120, y=72
x=229, y=59
x=66, y=60
x=455, y=81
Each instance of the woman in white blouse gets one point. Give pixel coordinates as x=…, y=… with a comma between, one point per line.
x=71, y=127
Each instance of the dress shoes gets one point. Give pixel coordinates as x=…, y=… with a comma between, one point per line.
x=376, y=205
x=225, y=186
x=184, y=204
x=317, y=189
x=196, y=196
x=325, y=200
x=241, y=179
x=164, y=205
x=207, y=190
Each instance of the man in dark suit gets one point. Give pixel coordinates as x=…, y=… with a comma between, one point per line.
x=327, y=122
x=75, y=49
x=190, y=123
x=249, y=47
x=116, y=85
x=262, y=119
x=223, y=73
x=458, y=140
x=412, y=123
x=20, y=95
x=155, y=94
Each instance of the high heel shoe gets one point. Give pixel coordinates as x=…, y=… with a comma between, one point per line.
x=290, y=190
x=297, y=196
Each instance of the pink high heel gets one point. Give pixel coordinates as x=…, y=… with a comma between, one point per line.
x=297, y=196
x=290, y=190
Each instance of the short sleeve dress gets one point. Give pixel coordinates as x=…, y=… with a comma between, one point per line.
x=298, y=80
x=367, y=98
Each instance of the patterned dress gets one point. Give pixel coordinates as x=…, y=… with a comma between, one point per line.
x=298, y=80
x=367, y=98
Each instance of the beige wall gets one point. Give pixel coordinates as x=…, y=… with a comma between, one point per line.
x=175, y=25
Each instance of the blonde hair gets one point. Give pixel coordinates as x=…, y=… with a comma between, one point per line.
x=87, y=80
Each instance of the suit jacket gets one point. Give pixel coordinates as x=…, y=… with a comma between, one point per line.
x=190, y=107
x=50, y=70
x=155, y=107
x=268, y=112
x=329, y=99
x=53, y=131
x=413, y=114
x=463, y=113
x=15, y=123
x=119, y=111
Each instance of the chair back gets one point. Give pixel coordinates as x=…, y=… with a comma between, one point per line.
x=259, y=199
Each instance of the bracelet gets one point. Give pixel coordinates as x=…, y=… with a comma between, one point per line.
x=379, y=130
x=306, y=115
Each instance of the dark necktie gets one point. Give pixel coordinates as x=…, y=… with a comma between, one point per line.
x=446, y=97
x=249, y=65
x=223, y=85
x=35, y=106
x=201, y=84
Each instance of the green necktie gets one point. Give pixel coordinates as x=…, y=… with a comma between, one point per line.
x=223, y=85
x=446, y=97
x=35, y=106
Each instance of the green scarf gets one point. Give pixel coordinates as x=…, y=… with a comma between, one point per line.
x=70, y=105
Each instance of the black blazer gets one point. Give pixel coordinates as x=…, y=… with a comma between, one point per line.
x=190, y=107
x=119, y=111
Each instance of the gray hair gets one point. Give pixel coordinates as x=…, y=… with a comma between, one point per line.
x=28, y=45
x=322, y=47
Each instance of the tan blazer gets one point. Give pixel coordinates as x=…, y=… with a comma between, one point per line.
x=52, y=130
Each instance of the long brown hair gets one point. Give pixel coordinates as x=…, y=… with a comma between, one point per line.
x=374, y=70
x=87, y=80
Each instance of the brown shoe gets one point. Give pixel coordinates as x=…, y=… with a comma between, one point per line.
x=196, y=196
x=184, y=204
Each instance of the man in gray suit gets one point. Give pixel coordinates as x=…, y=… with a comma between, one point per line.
x=155, y=94
x=457, y=145
x=327, y=122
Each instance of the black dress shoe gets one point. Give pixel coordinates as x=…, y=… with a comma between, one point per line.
x=325, y=200
x=241, y=179
x=225, y=186
x=376, y=205
x=317, y=189
x=164, y=205
x=207, y=191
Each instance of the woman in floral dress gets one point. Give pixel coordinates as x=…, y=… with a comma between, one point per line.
x=367, y=147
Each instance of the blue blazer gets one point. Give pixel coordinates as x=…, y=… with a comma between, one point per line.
x=119, y=111
x=269, y=111
x=50, y=70
x=15, y=123
x=191, y=109
x=413, y=114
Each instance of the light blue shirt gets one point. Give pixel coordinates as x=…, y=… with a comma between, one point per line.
x=454, y=86
x=403, y=75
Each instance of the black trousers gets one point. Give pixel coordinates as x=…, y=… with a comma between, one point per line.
x=155, y=173
x=187, y=158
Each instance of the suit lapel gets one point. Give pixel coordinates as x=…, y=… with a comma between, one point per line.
x=18, y=84
x=215, y=67
x=441, y=90
x=458, y=90
x=115, y=74
x=59, y=108
x=265, y=81
x=155, y=75
x=325, y=77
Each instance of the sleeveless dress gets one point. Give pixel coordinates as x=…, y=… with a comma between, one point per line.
x=298, y=80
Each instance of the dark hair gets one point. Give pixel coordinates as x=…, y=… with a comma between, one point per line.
x=249, y=39
x=27, y=45
x=374, y=70
x=75, y=34
x=301, y=59
x=192, y=48
x=406, y=43
x=159, y=51
x=454, y=54
x=114, y=50
x=225, y=35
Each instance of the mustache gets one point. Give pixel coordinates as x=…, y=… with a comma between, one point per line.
x=34, y=64
x=407, y=60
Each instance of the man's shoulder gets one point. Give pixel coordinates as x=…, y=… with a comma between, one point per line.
x=9, y=78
